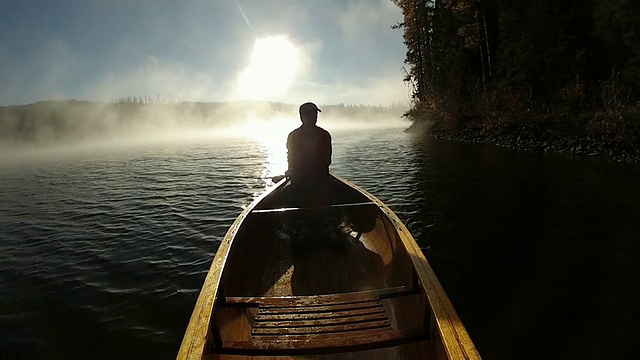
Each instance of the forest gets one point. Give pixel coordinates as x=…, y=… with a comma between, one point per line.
x=543, y=75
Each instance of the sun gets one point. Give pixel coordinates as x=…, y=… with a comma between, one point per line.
x=271, y=71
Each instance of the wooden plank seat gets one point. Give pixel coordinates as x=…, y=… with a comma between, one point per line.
x=321, y=324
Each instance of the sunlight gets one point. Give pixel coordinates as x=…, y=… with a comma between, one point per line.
x=273, y=139
x=271, y=136
x=272, y=69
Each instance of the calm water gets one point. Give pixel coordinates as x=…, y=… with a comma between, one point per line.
x=102, y=254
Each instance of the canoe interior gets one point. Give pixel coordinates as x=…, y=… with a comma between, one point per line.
x=331, y=277
x=266, y=260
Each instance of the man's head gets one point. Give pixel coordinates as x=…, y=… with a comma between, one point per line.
x=309, y=113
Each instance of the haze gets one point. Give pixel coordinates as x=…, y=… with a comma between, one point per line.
x=55, y=129
x=330, y=52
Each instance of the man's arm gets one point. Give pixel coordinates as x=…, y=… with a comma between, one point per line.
x=288, y=172
x=325, y=149
x=294, y=153
x=330, y=150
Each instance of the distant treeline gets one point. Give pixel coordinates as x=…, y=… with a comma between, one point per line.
x=71, y=120
x=497, y=66
x=147, y=99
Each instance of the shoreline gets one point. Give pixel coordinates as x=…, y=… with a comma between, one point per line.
x=582, y=146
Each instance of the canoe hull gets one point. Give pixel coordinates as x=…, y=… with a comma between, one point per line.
x=362, y=289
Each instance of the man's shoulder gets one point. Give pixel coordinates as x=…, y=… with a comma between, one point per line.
x=294, y=132
x=320, y=130
x=316, y=129
x=324, y=132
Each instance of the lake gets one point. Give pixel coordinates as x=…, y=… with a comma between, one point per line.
x=103, y=250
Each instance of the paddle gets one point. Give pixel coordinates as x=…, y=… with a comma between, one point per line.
x=277, y=178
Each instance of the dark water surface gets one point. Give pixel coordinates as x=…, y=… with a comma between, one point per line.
x=102, y=255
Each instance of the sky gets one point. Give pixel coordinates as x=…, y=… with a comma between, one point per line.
x=329, y=51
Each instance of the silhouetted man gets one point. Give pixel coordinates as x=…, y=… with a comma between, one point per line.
x=309, y=157
x=308, y=150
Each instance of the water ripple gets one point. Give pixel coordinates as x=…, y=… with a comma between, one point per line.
x=127, y=238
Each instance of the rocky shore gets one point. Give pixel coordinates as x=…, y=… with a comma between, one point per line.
x=527, y=140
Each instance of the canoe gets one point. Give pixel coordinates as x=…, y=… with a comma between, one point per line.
x=338, y=278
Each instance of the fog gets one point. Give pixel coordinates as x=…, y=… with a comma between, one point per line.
x=215, y=70
x=50, y=130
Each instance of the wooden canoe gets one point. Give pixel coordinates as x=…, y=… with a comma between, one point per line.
x=367, y=293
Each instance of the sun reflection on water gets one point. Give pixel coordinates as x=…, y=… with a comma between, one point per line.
x=275, y=152
x=271, y=137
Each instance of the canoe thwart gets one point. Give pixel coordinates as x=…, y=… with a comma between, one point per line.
x=290, y=209
x=385, y=293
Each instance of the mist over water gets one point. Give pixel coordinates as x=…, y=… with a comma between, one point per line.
x=52, y=131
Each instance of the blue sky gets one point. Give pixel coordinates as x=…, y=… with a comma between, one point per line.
x=344, y=50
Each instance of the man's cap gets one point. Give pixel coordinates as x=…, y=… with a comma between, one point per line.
x=309, y=108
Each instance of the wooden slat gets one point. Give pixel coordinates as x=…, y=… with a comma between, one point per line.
x=322, y=343
x=323, y=321
x=327, y=329
x=311, y=316
x=319, y=308
x=315, y=323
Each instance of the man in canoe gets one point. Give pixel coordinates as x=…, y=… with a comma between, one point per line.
x=308, y=150
x=309, y=156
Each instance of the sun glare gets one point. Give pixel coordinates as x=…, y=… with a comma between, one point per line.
x=270, y=134
x=271, y=70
